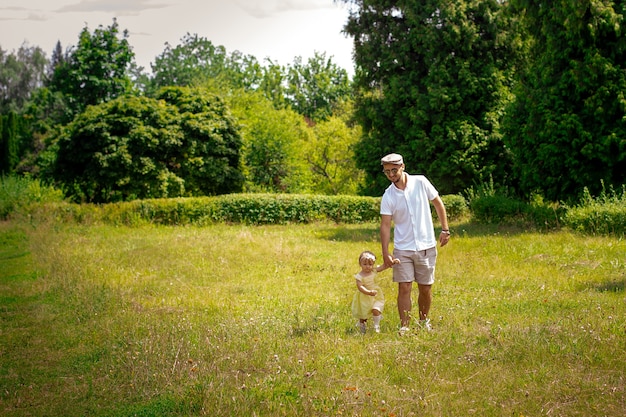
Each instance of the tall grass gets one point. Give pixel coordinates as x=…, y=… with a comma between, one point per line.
x=18, y=194
x=254, y=320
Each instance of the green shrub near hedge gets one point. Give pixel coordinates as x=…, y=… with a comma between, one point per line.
x=604, y=215
x=501, y=209
x=21, y=193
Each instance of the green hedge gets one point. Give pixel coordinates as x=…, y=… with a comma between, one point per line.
x=236, y=208
x=231, y=208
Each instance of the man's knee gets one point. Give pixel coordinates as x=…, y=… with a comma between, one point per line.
x=424, y=289
x=404, y=289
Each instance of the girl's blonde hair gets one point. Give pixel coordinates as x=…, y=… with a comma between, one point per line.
x=367, y=255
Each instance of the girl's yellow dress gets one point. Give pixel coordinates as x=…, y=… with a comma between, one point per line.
x=362, y=304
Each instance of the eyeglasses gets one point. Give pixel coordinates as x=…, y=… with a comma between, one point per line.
x=393, y=171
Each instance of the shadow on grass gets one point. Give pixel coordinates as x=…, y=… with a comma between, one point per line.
x=364, y=233
x=611, y=286
x=473, y=229
x=370, y=232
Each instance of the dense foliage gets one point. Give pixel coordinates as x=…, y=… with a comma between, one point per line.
x=20, y=74
x=315, y=87
x=567, y=128
x=96, y=70
x=197, y=60
x=183, y=143
x=470, y=91
x=433, y=78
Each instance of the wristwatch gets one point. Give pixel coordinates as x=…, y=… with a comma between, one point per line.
x=447, y=232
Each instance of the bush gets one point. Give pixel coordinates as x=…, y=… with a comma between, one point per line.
x=456, y=207
x=19, y=194
x=605, y=215
x=496, y=209
x=491, y=206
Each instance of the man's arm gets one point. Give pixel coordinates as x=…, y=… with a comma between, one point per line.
x=440, y=208
x=385, y=236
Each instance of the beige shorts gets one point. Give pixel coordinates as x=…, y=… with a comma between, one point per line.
x=418, y=266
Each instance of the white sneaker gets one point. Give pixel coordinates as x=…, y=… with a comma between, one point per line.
x=425, y=324
x=403, y=330
x=362, y=327
x=377, y=328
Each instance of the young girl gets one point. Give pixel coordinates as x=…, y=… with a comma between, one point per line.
x=369, y=300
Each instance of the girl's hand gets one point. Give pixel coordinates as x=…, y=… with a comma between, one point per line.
x=373, y=293
x=395, y=261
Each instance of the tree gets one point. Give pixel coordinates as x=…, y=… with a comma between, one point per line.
x=95, y=71
x=433, y=78
x=273, y=84
x=567, y=126
x=21, y=73
x=57, y=59
x=274, y=144
x=330, y=155
x=9, y=146
x=314, y=88
x=197, y=60
x=182, y=143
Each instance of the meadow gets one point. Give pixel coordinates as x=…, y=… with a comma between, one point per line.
x=223, y=320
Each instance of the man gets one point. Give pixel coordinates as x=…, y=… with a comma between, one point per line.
x=406, y=203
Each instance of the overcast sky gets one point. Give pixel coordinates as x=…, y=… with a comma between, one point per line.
x=277, y=29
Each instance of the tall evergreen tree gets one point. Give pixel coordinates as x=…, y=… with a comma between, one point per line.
x=9, y=143
x=433, y=79
x=567, y=126
x=57, y=59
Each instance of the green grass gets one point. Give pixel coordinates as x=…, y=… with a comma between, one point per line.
x=243, y=320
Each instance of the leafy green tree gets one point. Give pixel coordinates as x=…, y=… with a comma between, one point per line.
x=21, y=73
x=433, y=78
x=197, y=60
x=273, y=84
x=330, y=155
x=96, y=70
x=182, y=143
x=314, y=88
x=567, y=127
x=274, y=144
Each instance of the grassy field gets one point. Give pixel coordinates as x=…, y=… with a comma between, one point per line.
x=255, y=321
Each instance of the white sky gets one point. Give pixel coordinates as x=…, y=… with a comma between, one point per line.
x=277, y=29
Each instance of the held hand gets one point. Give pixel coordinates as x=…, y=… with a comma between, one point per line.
x=395, y=261
x=389, y=261
x=373, y=293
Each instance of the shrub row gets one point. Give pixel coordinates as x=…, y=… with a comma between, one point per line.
x=235, y=208
x=604, y=215
x=500, y=209
x=231, y=208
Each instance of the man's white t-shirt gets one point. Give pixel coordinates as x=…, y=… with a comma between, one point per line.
x=410, y=212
